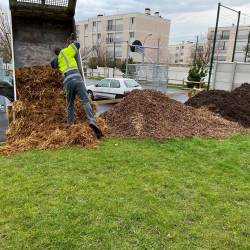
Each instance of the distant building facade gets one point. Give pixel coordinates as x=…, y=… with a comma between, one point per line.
x=225, y=42
x=181, y=53
x=107, y=32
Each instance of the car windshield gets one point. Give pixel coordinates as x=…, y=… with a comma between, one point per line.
x=130, y=83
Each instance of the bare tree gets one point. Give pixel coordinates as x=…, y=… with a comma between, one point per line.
x=86, y=53
x=204, y=50
x=96, y=54
x=5, y=37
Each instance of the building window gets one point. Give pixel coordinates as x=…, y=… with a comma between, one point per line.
x=225, y=34
x=181, y=60
x=94, y=39
x=182, y=47
x=85, y=29
x=110, y=38
x=99, y=36
x=110, y=25
x=211, y=37
x=119, y=24
x=132, y=23
x=243, y=34
x=131, y=35
x=118, y=52
x=115, y=25
x=85, y=41
x=177, y=48
x=94, y=26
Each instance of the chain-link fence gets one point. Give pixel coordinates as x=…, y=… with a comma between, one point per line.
x=153, y=75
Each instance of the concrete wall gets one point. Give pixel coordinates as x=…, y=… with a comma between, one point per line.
x=228, y=76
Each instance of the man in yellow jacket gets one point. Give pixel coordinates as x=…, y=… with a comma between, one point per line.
x=65, y=61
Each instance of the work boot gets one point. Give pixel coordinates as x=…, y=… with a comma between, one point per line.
x=97, y=130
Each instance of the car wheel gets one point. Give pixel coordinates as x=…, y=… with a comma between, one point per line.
x=91, y=95
x=118, y=96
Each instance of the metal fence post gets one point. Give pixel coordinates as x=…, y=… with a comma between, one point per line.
x=236, y=35
x=128, y=47
x=114, y=64
x=214, y=44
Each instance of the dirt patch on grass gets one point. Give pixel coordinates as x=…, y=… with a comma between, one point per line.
x=234, y=106
x=41, y=114
x=149, y=113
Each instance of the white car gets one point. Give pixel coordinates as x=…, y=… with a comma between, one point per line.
x=112, y=88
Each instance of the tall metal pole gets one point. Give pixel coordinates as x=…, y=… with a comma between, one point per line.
x=214, y=44
x=127, y=59
x=158, y=60
x=13, y=58
x=158, y=51
x=248, y=47
x=236, y=35
x=114, y=64
x=143, y=54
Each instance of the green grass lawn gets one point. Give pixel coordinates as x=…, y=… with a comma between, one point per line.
x=128, y=194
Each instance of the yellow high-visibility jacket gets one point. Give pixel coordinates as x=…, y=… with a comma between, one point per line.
x=66, y=59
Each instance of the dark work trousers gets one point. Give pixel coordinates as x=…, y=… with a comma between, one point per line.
x=73, y=87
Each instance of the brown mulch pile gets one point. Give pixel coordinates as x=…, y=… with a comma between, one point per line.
x=41, y=114
x=149, y=113
x=234, y=106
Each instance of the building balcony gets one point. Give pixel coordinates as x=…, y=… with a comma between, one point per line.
x=113, y=40
x=114, y=27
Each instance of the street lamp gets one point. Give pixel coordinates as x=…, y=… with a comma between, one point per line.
x=145, y=39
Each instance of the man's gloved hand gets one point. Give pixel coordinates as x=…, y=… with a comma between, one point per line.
x=71, y=39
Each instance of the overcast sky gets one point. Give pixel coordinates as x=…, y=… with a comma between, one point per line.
x=188, y=17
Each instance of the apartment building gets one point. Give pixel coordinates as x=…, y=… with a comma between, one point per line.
x=111, y=33
x=225, y=42
x=181, y=53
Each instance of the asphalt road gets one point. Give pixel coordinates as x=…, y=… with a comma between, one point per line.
x=3, y=125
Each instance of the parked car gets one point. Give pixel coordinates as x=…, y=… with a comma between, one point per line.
x=112, y=88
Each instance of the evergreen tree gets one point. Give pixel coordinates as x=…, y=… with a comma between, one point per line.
x=197, y=73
